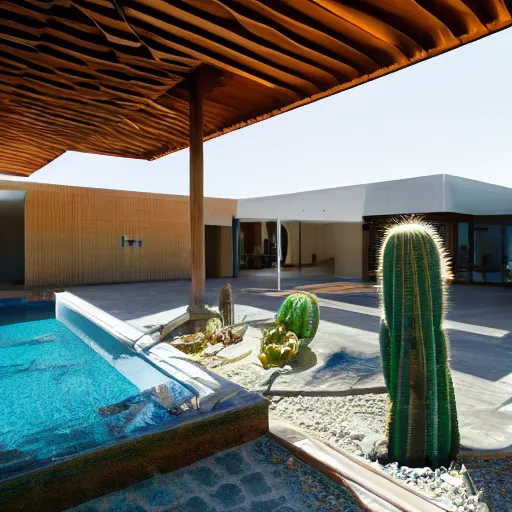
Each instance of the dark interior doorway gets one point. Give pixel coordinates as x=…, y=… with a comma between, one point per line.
x=12, y=238
x=272, y=235
x=213, y=262
x=284, y=244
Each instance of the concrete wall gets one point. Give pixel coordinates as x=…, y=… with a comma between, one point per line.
x=348, y=249
x=315, y=240
x=334, y=204
x=428, y=194
x=414, y=195
x=341, y=241
x=73, y=235
x=476, y=198
x=349, y=204
x=12, y=242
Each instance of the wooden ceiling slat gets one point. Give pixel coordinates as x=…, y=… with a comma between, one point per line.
x=409, y=18
x=499, y=10
x=387, y=34
x=356, y=36
x=333, y=68
x=486, y=12
x=456, y=15
x=260, y=39
x=326, y=44
x=208, y=57
x=293, y=81
x=110, y=76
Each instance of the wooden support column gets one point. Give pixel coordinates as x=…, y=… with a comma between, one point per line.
x=300, y=246
x=236, y=246
x=197, y=242
x=278, y=243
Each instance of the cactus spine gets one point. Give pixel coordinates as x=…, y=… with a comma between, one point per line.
x=226, y=308
x=422, y=423
x=300, y=314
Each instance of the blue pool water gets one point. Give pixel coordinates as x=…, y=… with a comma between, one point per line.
x=55, y=392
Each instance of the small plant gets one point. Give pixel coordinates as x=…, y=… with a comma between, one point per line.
x=300, y=314
x=226, y=309
x=212, y=325
x=422, y=423
x=190, y=343
x=278, y=346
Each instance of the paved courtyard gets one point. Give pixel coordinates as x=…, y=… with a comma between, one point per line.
x=345, y=353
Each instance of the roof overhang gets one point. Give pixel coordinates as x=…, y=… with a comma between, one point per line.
x=110, y=76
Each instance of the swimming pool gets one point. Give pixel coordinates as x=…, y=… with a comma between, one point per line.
x=62, y=393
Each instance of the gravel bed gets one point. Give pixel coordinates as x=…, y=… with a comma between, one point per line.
x=246, y=373
x=353, y=421
x=446, y=486
x=344, y=421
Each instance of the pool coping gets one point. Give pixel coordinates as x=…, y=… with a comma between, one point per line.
x=208, y=387
x=117, y=328
x=69, y=483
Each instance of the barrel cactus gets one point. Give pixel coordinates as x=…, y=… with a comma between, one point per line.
x=278, y=346
x=300, y=314
x=422, y=422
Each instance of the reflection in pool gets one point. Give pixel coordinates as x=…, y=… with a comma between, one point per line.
x=62, y=394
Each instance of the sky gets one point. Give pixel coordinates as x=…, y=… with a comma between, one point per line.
x=451, y=114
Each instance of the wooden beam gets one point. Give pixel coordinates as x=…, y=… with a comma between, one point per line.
x=197, y=242
x=278, y=236
x=300, y=246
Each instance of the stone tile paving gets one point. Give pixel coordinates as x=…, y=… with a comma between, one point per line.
x=259, y=476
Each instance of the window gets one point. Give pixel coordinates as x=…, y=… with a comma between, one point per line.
x=488, y=254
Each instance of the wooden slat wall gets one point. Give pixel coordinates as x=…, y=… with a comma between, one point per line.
x=73, y=235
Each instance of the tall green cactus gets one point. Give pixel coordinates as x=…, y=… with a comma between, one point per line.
x=422, y=423
x=300, y=314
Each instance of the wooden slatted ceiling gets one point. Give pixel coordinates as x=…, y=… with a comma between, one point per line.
x=110, y=76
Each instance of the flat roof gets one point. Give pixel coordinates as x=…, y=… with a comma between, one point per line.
x=438, y=193
x=111, y=77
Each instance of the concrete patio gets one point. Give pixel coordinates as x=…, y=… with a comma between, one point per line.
x=346, y=349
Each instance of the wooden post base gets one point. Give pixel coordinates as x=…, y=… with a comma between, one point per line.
x=188, y=323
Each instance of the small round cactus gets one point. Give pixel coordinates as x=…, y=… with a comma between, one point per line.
x=278, y=346
x=300, y=314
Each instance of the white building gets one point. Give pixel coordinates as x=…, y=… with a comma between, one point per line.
x=344, y=224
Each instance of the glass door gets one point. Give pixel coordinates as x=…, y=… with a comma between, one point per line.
x=488, y=254
x=462, y=263
x=507, y=256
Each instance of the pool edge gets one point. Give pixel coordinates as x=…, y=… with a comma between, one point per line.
x=69, y=483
